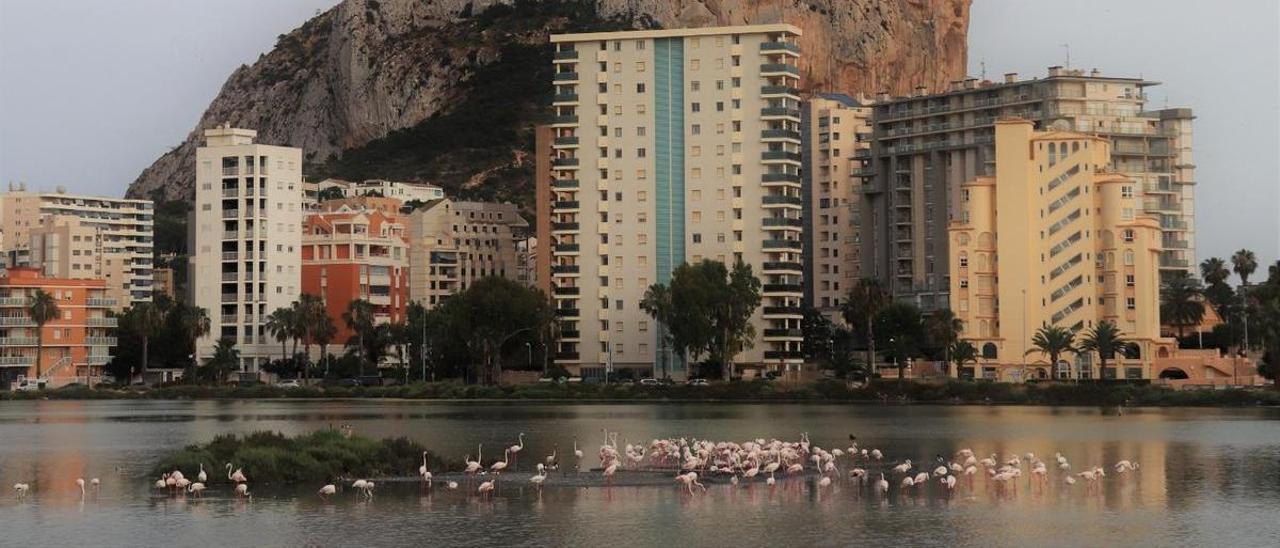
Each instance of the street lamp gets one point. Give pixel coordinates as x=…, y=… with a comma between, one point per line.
x=528, y=348
x=544, y=358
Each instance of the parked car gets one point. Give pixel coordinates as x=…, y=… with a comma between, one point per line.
x=697, y=382
x=289, y=383
x=29, y=385
x=650, y=382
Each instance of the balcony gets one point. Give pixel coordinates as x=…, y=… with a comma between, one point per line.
x=783, y=355
x=230, y=213
x=16, y=321
x=17, y=341
x=13, y=301
x=570, y=334
x=564, y=269
x=782, y=221
x=230, y=318
x=780, y=134
x=567, y=313
x=783, y=245
x=566, y=356
x=565, y=77
x=566, y=120
x=102, y=322
x=568, y=184
x=779, y=155
x=230, y=255
x=99, y=359
x=565, y=227
x=17, y=360
x=101, y=303
x=783, y=288
x=782, y=200
x=780, y=112
x=779, y=90
x=567, y=290
x=781, y=178
x=230, y=192
x=862, y=153
x=863, y=172
x=1176, y=244
x=100, y=341
x=785, y=266
x=1159, y=188
x=790, y=333
x=783, y=311
x=564, y=162
x=775, y=69
x=565, y=55
x=571, y=140
x=1170, y=262
x=778, y=47
x=230, y=277
x=562, y=98
x=230, y=297
x=565, y=204
x=230, y=235
x=566, y=248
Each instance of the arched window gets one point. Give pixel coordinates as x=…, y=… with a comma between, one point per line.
x=962, y=239
x=1053, y=153
x=1134, y=352
x=989, y=349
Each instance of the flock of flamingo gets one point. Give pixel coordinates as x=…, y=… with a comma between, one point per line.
x=738, y=463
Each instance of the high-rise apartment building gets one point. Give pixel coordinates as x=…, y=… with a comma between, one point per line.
x=82, y=237
x=349, y=255
x=673, y=146
x=1055, y=238
x=246, y=238
x=453, y=244
x=76, y=344
x=834, y=125
x=927, y=145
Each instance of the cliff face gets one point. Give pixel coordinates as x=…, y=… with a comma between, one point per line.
x=447, y=90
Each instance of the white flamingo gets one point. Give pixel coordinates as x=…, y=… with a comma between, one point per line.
x=202, y=477
x=237, y=476
x=422, y=470
x=328, y=490
x=80, y=484
x=515, y=451
x=501, y=465
x=485, y=489
x=540, y=477
x=197, y=489
x=21, y=489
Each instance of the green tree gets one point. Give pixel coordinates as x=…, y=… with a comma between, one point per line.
x=329, y=193
x=1180, y=301
x=42, y=309
x=398, y=338
x=311, y=315
x=281, y=325
x=1244, y=262
x=1106, y=339
x=943, y=328
x=149, y=318
x=195, y=324
x=900, y=328
x=1214, y=270
x=657, y=304
x=1052, y=341
x=963, y=352
x=711, y=310
x=861, y=306
x=469, y=332
x=359, y=319
x=323, y=333
x=226, y=358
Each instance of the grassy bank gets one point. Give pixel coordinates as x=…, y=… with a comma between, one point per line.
x=755, y=391
x=321, y=456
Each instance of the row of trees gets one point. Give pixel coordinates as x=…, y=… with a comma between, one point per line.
x=705, y=312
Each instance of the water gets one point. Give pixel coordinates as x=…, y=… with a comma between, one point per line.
x=1207, y=477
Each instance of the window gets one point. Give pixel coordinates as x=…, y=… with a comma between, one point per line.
x=695, y=107
x=640, y=131
x=964, y=283
x=695, y=64
x=695, y=85
x=1128, y=258
x=640, y=153
x=1129, y=280
x=1126, y=191
x=696, y=129
x=1130, y=303
x=640, y=87
x=1128, y=235
x=640, y=66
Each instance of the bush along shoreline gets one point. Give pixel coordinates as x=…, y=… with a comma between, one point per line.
x=949, y=392
x=269, y=458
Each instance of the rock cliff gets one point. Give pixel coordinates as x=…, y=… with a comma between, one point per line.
x=447, y=91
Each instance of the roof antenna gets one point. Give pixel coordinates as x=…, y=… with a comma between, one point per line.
x=1068, y=48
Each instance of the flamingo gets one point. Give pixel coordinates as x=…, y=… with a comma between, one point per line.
x=21, y=489
x=551, y=459
x=824, y=482
x=609, y=471
x=197, y=489
x=364, y=486
x=237, y=476
x=501, y=465
x=96, y=484
x=540, y=477
x=80, y=484
x=474, y=466
x=882, y=486
x=327, y=491
x=515, y=451
x=162, y=482
x=950, y=482
x=422, y=470
x=242, y=490
x=876, y=454
x=486, y=489
x=202, y=477
x=577, y=452
x=770, y=481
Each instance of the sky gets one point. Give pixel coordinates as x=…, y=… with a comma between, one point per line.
x=92, y=92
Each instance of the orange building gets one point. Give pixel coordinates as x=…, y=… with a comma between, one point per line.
x=76, y=344
x=356, y=254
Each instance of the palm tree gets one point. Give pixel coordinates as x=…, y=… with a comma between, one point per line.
x=148, y=318
x=323, y=332
x=311, y=313
x=1052, y=341
x=359, y=318
x=962, y=352
x=1244, y=262
x=657, y=303
x=195, y=323
x=280, y=324
x=1106, y=339
x=1214, y=270
x=42, y=309
x=225, y=358
x=398, y=337
x=862, y=304
x=1180, y=301
x=943, y=328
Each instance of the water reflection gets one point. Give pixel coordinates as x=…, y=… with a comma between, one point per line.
x=1204, y=476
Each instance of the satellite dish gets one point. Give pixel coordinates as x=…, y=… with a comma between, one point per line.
x=1060, y=125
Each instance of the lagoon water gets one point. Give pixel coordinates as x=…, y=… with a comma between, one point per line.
x=1206, y=477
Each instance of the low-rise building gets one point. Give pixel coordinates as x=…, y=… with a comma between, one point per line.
x=453, y=244
x=405, y=192
x=76, y=344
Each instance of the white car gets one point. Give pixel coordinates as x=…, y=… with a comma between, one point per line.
x=289, y=383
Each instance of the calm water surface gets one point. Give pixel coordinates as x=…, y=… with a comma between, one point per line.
x=1207, y=477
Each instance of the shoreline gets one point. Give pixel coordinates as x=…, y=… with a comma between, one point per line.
x=757, y=392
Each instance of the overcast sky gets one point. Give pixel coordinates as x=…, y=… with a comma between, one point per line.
x=91, y=92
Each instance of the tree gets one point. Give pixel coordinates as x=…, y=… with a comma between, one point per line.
x=1180, y=301
x=226, y=358
x=195, y=324
x=861, y=306
x=943, y=328
x=359, y=319
x=737, y=333
x=1214, y=270
x=657, y=304
x=323, y=334
x=899, y=326
x=280, y=325
x=398, y=337
x=469, y=331
x=1244, y=262
x=329, y=193
x=148, y=319
x=711, y=310
x=310, y=315
x=1106, y=339
x=819, y=334
x=41, y=308
x=1052, y=341
x=963, y=352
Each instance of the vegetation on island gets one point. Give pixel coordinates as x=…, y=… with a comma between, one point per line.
x=317, y=457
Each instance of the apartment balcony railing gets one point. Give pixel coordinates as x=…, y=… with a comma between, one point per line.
x=568, y=119
x=771, y=155
x=230, y=192
x=779, y=134
x=782, y=221
x=101, y=303
x=783, y=266
x=16, y=321
x=783, y=355
x=568, y=290
x=563, y=227
x=1170, y=262
x=564, y=98
x=783, y=311
x=230, y=297
x=782, y=244
x=565, y=184
x=567, y=141
x=779, y=90
x=779, y=46
x=230, y=235
x=773, y=332
x=566, y=77
x=230, y=213
x=566, y=355
x=782, y=200
x=17, y=341
x=230, y=171
x=779, y=68
x=571, y=334
x=774, y=112
x=566, y=204
x=564, y=269
x=781, y=178
x=782, y=288
x=565, y=55
x=567, y=312
x=230, y=318
x=100, y=341
x=13, y=301
x=102, y=322
x=1176, y=244
x=230, y=255
x=17, y=360
x=564, y=162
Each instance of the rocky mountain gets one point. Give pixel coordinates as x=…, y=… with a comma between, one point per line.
x=447, y=91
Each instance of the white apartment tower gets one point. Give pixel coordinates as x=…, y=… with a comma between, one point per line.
x=245, y=239
x=673, y=146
